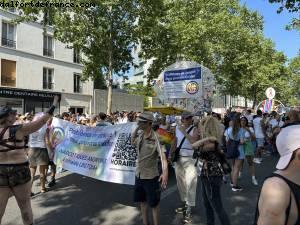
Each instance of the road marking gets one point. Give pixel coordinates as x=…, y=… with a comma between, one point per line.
x=169, y=191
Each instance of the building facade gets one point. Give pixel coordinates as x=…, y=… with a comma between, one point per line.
x=34, y=67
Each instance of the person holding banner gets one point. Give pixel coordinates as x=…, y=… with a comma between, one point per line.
x=15, y=175
x=147, y=189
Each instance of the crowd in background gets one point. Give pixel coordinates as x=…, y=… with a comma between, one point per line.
x=255, y=135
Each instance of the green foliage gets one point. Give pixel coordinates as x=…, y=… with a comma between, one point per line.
x=291, y=6
x=139, y=89
x=221, y=35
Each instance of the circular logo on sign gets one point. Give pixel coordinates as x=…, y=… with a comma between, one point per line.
x=270, y=93
x=192, y=87
x=57, y=135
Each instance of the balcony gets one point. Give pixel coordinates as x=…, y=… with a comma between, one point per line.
x=48, y=52
x=8, y=43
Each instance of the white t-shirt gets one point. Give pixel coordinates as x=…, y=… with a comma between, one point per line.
x=249, y=117
x=186, y=148
x=273, y=123
x=257, y=128
x=37, y=139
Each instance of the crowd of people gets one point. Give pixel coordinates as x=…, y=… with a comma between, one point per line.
x=212, y=148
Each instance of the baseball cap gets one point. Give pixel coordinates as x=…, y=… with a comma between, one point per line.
x=145, y=116
x=287, y=142
x=186, y=115
x=5, y=110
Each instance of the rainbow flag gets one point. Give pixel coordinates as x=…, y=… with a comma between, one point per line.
x=268, y=105
x=165, y=136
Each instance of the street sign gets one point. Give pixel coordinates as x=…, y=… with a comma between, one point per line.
x=270, y=93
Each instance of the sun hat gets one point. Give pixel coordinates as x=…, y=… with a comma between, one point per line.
x=145, y=117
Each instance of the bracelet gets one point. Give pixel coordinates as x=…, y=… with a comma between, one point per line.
x=51, y=110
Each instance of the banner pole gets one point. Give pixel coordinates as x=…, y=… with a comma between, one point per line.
x=160, y=151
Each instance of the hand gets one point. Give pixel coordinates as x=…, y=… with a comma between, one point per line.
x=56, y=100
x=163, y=179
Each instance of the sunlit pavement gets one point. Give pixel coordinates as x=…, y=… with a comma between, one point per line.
x=78, y=200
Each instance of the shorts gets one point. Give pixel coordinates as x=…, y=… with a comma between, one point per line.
x=38, y=157
x=147, y=190
x=260, y=142
x=12, y=175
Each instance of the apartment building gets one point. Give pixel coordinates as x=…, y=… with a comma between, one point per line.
x=34, y=67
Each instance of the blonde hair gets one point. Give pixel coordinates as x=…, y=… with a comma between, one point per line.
x=210, y=127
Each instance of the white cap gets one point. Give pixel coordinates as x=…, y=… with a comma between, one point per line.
x=288, y=140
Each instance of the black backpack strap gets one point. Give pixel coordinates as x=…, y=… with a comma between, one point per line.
x=182, y=141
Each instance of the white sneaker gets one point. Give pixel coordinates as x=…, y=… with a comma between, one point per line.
x=254, y=181
x=257, y=161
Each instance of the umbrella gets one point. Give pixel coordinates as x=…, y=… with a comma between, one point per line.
x=166, y=110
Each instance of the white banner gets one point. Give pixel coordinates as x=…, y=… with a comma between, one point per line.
x=104, y=153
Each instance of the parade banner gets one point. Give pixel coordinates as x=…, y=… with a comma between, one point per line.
x=184, y=83
x=104, y=153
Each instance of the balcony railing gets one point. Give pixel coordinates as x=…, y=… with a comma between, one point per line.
x=48, y=52
x=8, y=43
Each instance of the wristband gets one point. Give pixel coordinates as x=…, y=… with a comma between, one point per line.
x=51, y=110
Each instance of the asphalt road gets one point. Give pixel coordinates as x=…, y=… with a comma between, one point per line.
x=79, y=200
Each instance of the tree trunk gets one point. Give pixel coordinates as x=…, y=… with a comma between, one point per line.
x=109, y=92
x=110, y=70
x=254, y=98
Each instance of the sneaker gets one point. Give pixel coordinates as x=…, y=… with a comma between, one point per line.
x=181, y=209
x=236, y=188
x=52, y=183
x=254, y=181
x=231, y=184
x=257, y=161
x=187, y=218
x=260, y=160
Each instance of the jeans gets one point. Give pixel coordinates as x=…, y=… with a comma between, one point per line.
x=212, y=200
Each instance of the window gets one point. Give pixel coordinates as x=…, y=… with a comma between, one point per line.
x=48, y=78
x=8, y=35
x=48, y=46
x=77, y=83
x=76, y=55
x=8, y=73
x=140, y=83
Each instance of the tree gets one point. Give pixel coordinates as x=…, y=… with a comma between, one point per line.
x=104, y=33
x=291, y=6
x=293, y=70
x=140, y=89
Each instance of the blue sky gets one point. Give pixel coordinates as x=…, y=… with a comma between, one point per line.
x=274, y=26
